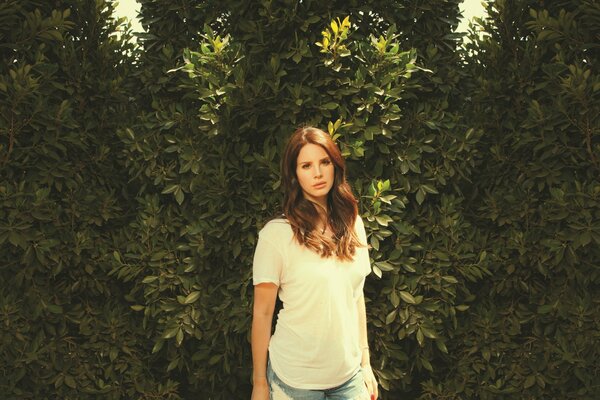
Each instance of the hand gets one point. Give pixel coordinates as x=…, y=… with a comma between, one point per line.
x=260, y=390
x=370, y=381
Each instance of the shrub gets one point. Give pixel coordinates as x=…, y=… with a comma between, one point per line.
x=206, y=152
x=66, y=330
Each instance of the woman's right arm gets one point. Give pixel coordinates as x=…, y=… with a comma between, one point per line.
x=265, y=295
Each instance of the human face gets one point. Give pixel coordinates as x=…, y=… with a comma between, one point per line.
x=315, y=172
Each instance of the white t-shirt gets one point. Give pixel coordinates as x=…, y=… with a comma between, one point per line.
x=315, y=344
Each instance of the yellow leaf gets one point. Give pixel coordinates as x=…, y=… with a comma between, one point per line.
x=334, y=27
x=346, y=22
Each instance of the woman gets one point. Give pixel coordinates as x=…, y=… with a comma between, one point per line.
x=315, y=257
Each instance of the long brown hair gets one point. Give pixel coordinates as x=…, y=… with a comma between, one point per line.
x=303, y=214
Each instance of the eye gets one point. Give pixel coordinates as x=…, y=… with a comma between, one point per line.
x=305, y=166
x=326, y=162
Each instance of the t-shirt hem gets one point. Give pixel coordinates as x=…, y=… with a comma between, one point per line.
x=310, y=386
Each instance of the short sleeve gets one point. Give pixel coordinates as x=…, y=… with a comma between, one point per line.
x=362, y=253
x=267, y=264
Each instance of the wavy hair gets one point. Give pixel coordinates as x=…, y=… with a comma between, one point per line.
x=303, y=215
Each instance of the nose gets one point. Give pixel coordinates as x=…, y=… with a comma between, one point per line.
x=318, y=173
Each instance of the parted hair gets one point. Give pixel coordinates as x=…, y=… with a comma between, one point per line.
x=303, y=215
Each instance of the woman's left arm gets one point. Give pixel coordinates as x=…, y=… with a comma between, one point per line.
x=365, y=362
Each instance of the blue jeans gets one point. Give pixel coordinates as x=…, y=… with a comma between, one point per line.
x=353, y=389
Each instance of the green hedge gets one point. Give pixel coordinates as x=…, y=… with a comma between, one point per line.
x=134, y=181
x=535, y=200
x=66, y=328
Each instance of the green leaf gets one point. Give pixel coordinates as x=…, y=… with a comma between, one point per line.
x=385, y=266
x=70, y=382
x=540, y=381
x=55, y=309
x=173, y=364
x=374, y=242
x=529, y=382
x=170, y=189
x=426, y=364
x=441, y=346
x=486, y=354
x=170, y=333
x=157, y=346
x=394, y=299
x=407, y=297
x=450, y=279
x=377, y=271
x=192, y=297
x=383, y=219
x=420, y=337
x=545, y=309
x=391, y=317
x=179, y=337
x=113, y=353
x=179, y=196
x=237, y=249
x=215, y=359
x=149, y=279
x=420, y=196
x=429, y=189
x=428, y=333
x=409, y=268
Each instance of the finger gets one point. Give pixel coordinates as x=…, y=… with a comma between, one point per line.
x=372, y=386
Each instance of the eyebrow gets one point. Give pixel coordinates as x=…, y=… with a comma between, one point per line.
x=308, y=162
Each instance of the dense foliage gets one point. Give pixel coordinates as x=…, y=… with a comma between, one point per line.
x=66, y=330
x=535, y=197
x=134, y=180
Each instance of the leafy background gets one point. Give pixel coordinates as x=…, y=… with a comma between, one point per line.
x=134, y=179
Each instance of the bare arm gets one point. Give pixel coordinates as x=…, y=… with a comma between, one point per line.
x=265, y=295
x=363, y=341
x=362, y=332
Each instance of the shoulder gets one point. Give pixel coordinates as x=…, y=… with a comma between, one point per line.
x=359, y=228
x=359, y=223
x=276, y=229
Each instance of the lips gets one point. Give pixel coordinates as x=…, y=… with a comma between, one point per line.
x=320, y=185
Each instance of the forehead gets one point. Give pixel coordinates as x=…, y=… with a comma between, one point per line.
x=311, y=152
